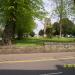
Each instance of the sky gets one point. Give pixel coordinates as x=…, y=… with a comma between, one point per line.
x=49, y=6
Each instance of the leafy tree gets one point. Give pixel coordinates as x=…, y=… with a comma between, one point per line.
x=56, y=28
x=32, y=34
x=41, y=32
x=63, y=10
x=24, y=26
x=15, y=14
x=49, y=32
x=60, y=10
x=73, y=30
x=0, y=33
x=67, y=26
x=74, y=1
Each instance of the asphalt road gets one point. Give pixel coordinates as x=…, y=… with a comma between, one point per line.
x=37, y=64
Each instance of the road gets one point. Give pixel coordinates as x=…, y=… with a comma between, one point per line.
x=37, y=64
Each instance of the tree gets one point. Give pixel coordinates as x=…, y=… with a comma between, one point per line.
x=14, y=13
x=61, y=12
x=65, y=9
x=25, y=26
x=74, y=1
x=9, y=11
x=41, y=32
x=67, y=26
x=73, y=30
x=47, y=24
x=32, y=34
x=49, y=31
x=56, y=28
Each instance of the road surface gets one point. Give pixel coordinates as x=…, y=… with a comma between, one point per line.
x=37, y=64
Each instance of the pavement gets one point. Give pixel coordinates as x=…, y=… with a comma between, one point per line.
x=38, y=64
x=36, y=56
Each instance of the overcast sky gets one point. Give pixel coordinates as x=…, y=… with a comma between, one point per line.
x=49, y=6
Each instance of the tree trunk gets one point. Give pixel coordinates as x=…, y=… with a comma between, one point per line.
x=20, y=36
x=8, y=34
x=9, y=30
x=60, y=30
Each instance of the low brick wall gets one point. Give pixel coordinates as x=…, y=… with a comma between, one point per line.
x=59, y=46
x=46, y=48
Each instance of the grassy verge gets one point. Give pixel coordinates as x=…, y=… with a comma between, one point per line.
x=36, y=45
x=40, y=41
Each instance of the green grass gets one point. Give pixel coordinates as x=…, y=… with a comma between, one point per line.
x=29, y=42
x=40, y=41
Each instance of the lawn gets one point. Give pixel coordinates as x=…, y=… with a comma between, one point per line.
x=40, y=41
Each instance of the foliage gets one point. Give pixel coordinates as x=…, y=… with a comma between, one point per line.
x=49, y=32
x=32, y=34
x=56, y=28
x=63, y=10
x=67, y=26
x=41, y=32
x=24, y=26
x=18, y=16
x=73, y=30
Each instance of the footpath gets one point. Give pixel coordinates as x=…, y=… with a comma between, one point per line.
x=9, y=58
